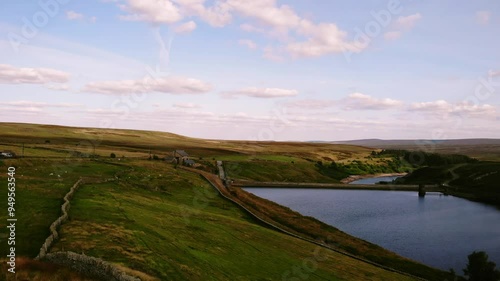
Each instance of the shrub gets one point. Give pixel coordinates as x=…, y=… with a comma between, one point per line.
x=480, y=269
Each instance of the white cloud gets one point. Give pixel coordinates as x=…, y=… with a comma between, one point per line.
x=186, y=27
x=169, y=85
x=36, y=105
x=484, y=110
x=261, y=93
x=58, y=87
x=308, y=39
x=247, y=43
x=115, y=87
x=311, y=104
x=186, y=105
x=154, y=11
x=267, y=13
x=402, y=24
x=13, y=75
x=359, y=101
x=72, y=15
x=218, y=15
x=322, y=39
x=435, y=106
x=173, y=11
x=304, y=38
x=483, y=17
x=443, y=108
x=493, y=73
x=408, y=22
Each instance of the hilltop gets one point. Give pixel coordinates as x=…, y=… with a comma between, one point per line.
x=483, y=149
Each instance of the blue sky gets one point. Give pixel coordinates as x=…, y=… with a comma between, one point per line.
x=263, y=69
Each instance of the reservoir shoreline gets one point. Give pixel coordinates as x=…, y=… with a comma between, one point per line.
x=359, y=177
x=345, y=184
x=408, y=222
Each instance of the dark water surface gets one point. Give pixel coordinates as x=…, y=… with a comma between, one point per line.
x=437, y=230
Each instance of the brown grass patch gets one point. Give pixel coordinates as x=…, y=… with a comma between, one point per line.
x=32, y=270
x=143, y=276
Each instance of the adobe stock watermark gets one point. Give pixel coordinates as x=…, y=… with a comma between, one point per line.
x=372, y=29
x=308, y=265
x=31, y=26
x=201, y=200
x=124, y=105
x=278, y=122
x=484, y=90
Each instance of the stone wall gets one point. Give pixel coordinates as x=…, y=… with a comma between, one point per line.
x=54, y=235
x=85, y=265
x=89, y=266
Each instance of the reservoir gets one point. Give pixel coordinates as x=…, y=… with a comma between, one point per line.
x=437, y=230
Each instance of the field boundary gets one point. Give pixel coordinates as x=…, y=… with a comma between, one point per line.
x=215, y=184
x=89, y=266
x=81, y=263
x=54, y=235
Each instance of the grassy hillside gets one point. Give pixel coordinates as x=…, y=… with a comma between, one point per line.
x=159, y=222
x=266, y=161
x=57, y=141
x=475, y=181
x=165, y=223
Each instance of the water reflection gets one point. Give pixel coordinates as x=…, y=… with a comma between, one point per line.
x=437, y=230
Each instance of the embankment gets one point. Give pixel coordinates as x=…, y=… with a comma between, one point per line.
x=308, y=229
x=387, y=187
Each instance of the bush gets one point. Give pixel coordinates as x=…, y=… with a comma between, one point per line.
x=480, y=269
x=112, y=155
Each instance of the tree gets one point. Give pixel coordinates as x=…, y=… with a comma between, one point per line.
x=480, y=269
x=112, y=155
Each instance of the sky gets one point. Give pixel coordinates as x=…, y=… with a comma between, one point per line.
x=255, y=70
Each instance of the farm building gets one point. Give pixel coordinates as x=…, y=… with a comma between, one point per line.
x=180, y=156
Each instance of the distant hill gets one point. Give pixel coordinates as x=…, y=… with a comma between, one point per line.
x=484, y=149
x=379, y=143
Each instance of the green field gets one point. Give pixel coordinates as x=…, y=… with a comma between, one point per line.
x=162, y=222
